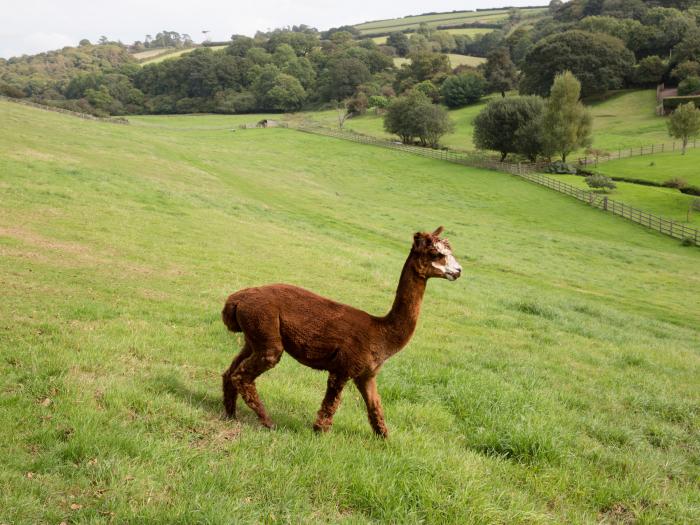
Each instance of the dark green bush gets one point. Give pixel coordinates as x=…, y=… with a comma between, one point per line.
x=690, y=190
x=675, y=182
x=561, y=168
x=689, y=86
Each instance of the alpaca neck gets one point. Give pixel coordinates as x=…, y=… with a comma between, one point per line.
x=401, y=320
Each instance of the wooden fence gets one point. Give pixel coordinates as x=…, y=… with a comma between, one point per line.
x=634, y=152
x=528, y=172
x=467, y=159
x=86, y=116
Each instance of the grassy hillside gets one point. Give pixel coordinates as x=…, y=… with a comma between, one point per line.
x=557, y=381
x=659, y=167
x=628, y=120
x=625, y=120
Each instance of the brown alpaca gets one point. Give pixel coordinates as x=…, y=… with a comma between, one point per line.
x=326, y=335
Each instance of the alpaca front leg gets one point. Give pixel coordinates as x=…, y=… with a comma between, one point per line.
x=368, y=388
x=331, y=401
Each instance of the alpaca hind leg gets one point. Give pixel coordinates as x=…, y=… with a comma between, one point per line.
x=330, y=403
x=230, y=390
x=368, y=388
x=244, y=379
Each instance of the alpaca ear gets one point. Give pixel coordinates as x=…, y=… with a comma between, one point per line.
x=439, y=230
x=420, y=240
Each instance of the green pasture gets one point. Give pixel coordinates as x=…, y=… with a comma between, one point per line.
x=659, y=167
x=628, y=120
x=470, y=31
x=439, y=19
x=455, y=60
x=625, y=120
x=558, y=381
x=668, y=203
x=174, y=53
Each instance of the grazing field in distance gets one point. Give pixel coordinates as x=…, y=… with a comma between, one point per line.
x=438, y=19
x=153, y=56
x=557, y=382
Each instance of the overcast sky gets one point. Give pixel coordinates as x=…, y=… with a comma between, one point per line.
x=31, y=26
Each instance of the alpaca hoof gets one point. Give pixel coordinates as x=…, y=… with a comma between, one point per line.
x=268, y=424
x=319, y=428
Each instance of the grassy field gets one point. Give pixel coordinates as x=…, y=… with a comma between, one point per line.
x=659, y=167
x=665, y=202
x=470, y=31
x=628, y=119
x=440, y=19
x=557, y=382
x=167, y=54
x=455, y=60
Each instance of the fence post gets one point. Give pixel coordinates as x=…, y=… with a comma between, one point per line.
x=662, y=147
x=652, y=148
x=605, y=203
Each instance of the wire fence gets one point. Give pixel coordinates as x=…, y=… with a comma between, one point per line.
x=634, y=152
x=530, y=172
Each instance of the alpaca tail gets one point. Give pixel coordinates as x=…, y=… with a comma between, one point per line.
x=228, y=314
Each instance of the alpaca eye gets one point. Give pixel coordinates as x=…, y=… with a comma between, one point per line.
x=436, y=255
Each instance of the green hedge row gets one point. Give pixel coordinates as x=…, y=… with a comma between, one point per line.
x=671, y=103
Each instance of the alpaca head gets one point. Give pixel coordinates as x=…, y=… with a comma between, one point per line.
x=433, y=256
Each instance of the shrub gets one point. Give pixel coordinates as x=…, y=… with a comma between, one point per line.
x=689, y=86
x=11, y=91
x=358, y=104
x=429, y=89
x=675, y=182
x=690, y=190
x=600, y=182
x=378, y=101
x=562, y=168
x=413, y=116
x=460, y=90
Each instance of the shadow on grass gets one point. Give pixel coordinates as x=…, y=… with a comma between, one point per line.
x=290, y=420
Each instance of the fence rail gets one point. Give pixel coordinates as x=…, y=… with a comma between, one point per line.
x=467, y=159
x=529, y=172
x=86, y=116
x=634, y=152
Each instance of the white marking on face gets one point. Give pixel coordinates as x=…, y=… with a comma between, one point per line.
x=451, y=268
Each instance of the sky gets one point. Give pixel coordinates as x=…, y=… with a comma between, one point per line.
x=32, y=26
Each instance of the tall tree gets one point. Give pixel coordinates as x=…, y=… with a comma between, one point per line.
x=566, y=122
x=499, y=126
x=684, y=123
x=500, y=71
x=599, y=61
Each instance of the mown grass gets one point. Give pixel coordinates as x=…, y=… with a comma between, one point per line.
x=557, y=381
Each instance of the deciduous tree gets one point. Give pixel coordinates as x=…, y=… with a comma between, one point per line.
x=684, y=123
x=567, y=123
